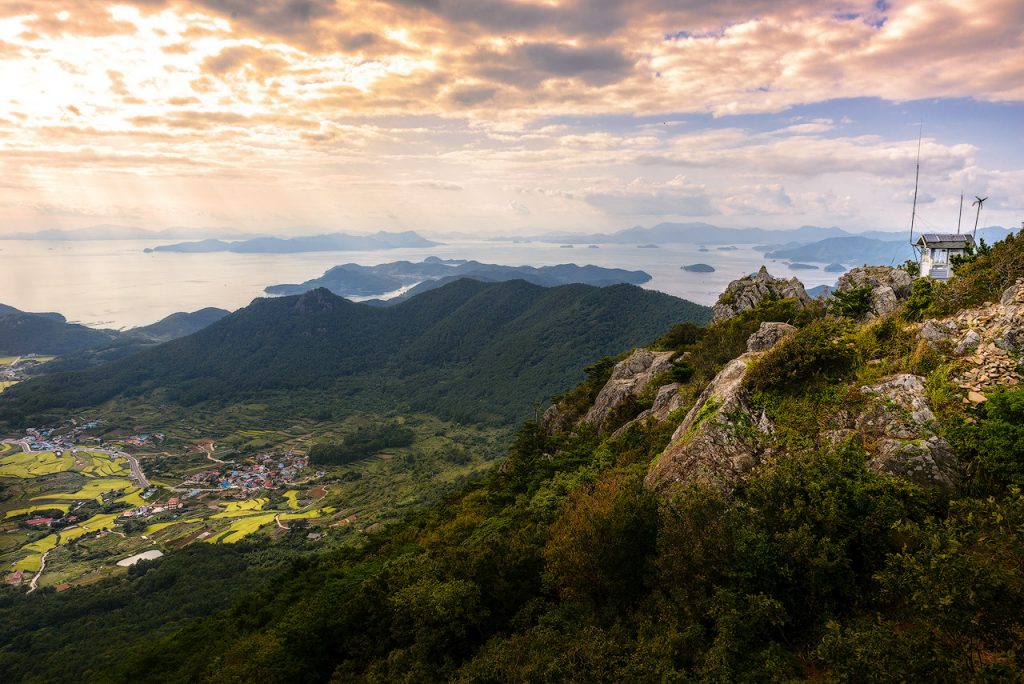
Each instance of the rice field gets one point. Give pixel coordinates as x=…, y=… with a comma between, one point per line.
x=234, y=508
x=94, y=489
x=39, y=507
x=156, y=527
x=22, y=464
x=96, y=464
x=246, y=525
x=292, y=496
x=31, y=562
x=241, y=528
x=34, y=464
x=4, y=384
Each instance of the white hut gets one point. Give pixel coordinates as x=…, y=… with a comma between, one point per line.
x=937, y=250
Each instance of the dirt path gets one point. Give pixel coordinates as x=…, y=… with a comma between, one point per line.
x=35, y=580
x=277, y=519
x=209, y=453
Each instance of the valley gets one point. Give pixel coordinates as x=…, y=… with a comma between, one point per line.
x=80, y=499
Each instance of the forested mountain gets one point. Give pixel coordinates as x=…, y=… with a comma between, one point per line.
x=468, y=350
x=803, y=538
x=51, y=334
x=46, y=333
x=179, y=324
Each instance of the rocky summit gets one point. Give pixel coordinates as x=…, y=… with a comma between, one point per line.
x=747, y=292
x=889, y=287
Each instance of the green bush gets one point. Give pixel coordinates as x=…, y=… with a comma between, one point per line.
x=823, y=349
x=853, y=303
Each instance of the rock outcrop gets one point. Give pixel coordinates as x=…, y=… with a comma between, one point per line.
x=747, y=292
x=718, y=440
x=899, y=431
x=889, y=287
x=629, y=378
x=768, y=335
x=666, y=401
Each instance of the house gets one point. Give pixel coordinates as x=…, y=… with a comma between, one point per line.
x=937, y=250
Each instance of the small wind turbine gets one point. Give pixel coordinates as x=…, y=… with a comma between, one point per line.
x=977, y=201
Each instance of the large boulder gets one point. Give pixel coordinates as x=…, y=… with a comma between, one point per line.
x=629, y=378
x=769, y=335
x=900, y=432
x=889, y=287
x=747, y=292
x=719, y=439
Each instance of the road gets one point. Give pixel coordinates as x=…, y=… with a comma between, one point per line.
x=42, y=566
x=137, y=473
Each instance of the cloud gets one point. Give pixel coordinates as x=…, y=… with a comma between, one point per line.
x=518, y=208
x=673, y=198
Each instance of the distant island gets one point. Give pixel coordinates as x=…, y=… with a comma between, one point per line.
x=331, y=242
x=797, y=266
x=728, y=248
x=834, y=268
x=699, y=268
x=404, y=279
x=648, y=246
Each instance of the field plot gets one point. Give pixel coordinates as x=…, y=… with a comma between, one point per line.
x=293, y=498
x=233, y=508
x=40, y=507
x=4, y=384
x=95, y=489
x=34, y=464
x=97, y=464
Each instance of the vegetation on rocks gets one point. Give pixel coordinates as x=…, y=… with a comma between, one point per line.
x=561, y=565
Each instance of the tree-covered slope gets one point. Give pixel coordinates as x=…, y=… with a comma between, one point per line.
x=816, y=565
x=46, y=333
x=481, y=351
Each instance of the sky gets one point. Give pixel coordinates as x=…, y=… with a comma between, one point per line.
x=490, y=117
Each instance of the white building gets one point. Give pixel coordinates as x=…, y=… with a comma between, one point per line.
x=937, y=249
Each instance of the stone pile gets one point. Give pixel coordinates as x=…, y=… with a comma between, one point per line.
x=989, y=338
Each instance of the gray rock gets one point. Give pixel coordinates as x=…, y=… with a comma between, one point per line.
x=901, y=433
x=719, y=439
x=747, y=292
x=768, y=335
x=1011, y=340
x=1014, y=294
x=889, y=287
x=935, y=332
x=666, y=401
x=629, y=378
x=968, y=342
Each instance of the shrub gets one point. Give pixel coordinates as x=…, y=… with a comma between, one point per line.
x=822, y=349
x=853, y=303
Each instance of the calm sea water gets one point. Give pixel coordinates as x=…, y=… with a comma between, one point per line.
x=114, y=284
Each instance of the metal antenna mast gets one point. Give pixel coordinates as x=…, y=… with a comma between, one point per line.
x=917, y=177
x=979, y=201
x=961, y=216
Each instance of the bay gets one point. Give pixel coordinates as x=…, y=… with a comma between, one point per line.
x=114, y=284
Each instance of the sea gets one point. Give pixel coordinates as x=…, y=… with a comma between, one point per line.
x=115, y=284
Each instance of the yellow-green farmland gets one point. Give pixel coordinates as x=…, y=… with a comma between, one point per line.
x=34, y=464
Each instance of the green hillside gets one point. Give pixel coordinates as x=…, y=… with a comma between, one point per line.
x=816, y=565
x=469, y=350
